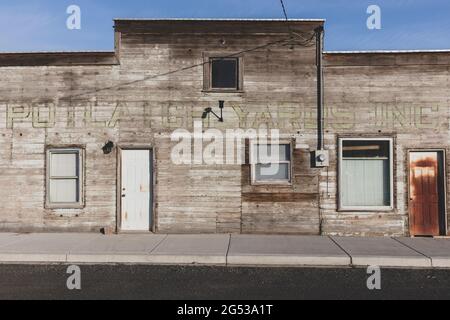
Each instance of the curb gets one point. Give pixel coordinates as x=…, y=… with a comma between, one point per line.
x=273, y=260
x=395, y=262
x=230, y=261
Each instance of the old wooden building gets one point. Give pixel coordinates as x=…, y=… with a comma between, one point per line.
x=86, y=138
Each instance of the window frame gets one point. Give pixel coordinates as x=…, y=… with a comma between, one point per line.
x=391, y=207
x=207, y=72
x=81, y=156
x=253, y=164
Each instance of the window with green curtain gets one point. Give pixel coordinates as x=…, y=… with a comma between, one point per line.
x=365, y=173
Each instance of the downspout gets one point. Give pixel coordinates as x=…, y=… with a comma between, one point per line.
x=320, y=110
x=320, y=87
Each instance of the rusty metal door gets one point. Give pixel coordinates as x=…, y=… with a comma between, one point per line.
x=136, y=190
x=424, y=202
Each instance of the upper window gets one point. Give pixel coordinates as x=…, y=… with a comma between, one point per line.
x=366, y=181
x=64, y=178
x=271, y=163
x=223, y=73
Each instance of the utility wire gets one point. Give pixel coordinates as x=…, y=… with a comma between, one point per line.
x=306, y=40
x=287, y=21
x=284, y=11
x=150, y=77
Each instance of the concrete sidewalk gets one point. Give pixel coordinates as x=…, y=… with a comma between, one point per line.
x=231, y=250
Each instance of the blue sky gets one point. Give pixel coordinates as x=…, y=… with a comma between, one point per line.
x=40, y=25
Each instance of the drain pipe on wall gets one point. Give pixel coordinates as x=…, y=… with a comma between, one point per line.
x=319, y=63
x=320, y=157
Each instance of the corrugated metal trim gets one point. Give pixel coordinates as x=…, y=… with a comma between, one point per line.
x=216, y=19
x=56, y=52
x=58, y=59
x=388, y=51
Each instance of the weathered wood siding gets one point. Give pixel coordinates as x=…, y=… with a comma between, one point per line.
x=276, y=80
x=138, y=100
x=400, y=95
x=292, y=209
x=153, y=85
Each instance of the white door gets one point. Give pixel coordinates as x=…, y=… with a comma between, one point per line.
x=136, y=190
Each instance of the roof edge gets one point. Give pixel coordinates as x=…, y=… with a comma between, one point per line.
x=388, y=51
x=218, y=19
x=58, y=52
x=61, y=58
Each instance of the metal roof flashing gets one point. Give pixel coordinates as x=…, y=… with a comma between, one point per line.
x=388, y=51
x=218, y=19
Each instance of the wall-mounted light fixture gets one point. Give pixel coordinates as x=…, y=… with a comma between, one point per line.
x=209, y=110
x=108, y=147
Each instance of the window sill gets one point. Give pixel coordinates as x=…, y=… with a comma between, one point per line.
x=272, y=184
x=222, y=91
x=367, y=209
x=64, y=206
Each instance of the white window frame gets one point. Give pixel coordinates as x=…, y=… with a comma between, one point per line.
x=253, y=163
x=69, y=205
x=391, y=176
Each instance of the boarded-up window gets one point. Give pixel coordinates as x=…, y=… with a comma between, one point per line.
x=64, y=178
x=366, y=174
x=271, y=163
x=224, y=73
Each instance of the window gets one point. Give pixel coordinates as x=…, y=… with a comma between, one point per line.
x=223, y=73
x=271, y=163
x=366, y=181
x=64, y=178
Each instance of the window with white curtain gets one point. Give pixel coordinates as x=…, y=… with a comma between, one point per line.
x=366, y=181
x=271, y=163
x=64, y=178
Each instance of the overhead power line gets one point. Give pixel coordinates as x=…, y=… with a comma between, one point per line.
x=284, y=10
x=283, y=42
x=305, y=38
x=297, y=38
x=150, y=77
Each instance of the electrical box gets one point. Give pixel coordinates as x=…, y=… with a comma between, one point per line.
x=320, y=158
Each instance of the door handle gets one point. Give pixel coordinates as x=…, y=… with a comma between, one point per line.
x=123, y=196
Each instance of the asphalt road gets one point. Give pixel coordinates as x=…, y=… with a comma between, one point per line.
x=206, y=283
